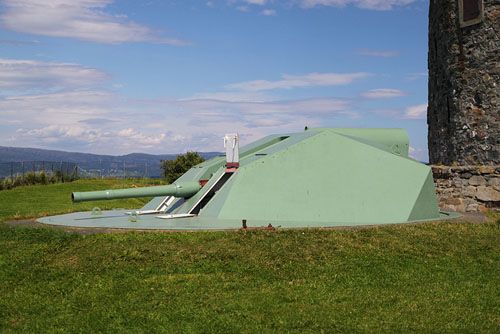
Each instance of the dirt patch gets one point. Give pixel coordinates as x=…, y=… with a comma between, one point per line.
x=473, y=217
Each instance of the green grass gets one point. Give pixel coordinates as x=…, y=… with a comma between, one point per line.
x=46, y=200
x=420, y=278
x=427, y=278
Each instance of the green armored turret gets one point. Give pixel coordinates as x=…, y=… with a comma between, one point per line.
x=316, y=178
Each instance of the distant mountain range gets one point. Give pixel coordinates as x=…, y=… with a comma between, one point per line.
x=134, y=164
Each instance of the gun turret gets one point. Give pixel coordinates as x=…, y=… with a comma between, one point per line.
x=316, y=178
x=179, y=189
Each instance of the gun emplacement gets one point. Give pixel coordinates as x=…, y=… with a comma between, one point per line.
x=180, y=189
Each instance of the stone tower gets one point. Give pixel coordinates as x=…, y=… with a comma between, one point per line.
x=464, y=82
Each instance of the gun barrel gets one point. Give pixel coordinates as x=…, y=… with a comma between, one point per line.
x=180, y=189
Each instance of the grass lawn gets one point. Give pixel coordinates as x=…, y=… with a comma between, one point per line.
x=421, y=278
x=46, y=200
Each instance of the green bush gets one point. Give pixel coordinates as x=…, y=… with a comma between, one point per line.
x=18, y=181
x=173, y=169
x=30, y=178
x=34, y=178
x=7, y=183
x=41, y=178
x=59, y=176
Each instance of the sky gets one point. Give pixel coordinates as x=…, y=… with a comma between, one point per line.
x=164, y=76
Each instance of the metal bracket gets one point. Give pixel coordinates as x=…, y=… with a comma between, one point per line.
x=134, y=217
x=96, y=211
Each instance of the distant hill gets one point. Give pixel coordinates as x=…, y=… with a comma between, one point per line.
x=107, y=165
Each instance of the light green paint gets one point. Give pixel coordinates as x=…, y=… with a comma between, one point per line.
x=395, y=141
x=178, y=189
x=320, y=177
x=328, y=177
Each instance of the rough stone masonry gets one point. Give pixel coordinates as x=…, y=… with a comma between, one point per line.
x=464, y=82
x=464, y=102
x=467, y=188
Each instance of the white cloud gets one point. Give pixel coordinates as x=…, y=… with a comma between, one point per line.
x=242, y=110
x=256, y=2
x=141, y=139
x=413, y=112
x=99, y=121
x=230, y=97
x=32, y=74
x=268, y=12
x=243, y=5
x=380, y=5
x=60, y=108
x=416, y=76
x=17, y=43
x=416, y=112
x=88, y=97
x=55, y=133
x=63, y=106
x=73, y=112
x=292, y=81
x=365, y=4
x=392, y=113
x=417, y=154
x=377, y=53
x=79, y=19
x=122, y=140
x=383, y=93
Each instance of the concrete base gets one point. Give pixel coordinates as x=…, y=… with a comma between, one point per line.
x=118, y=219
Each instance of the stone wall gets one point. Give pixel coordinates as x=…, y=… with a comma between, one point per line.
x=464, y=85
x=467, y=188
